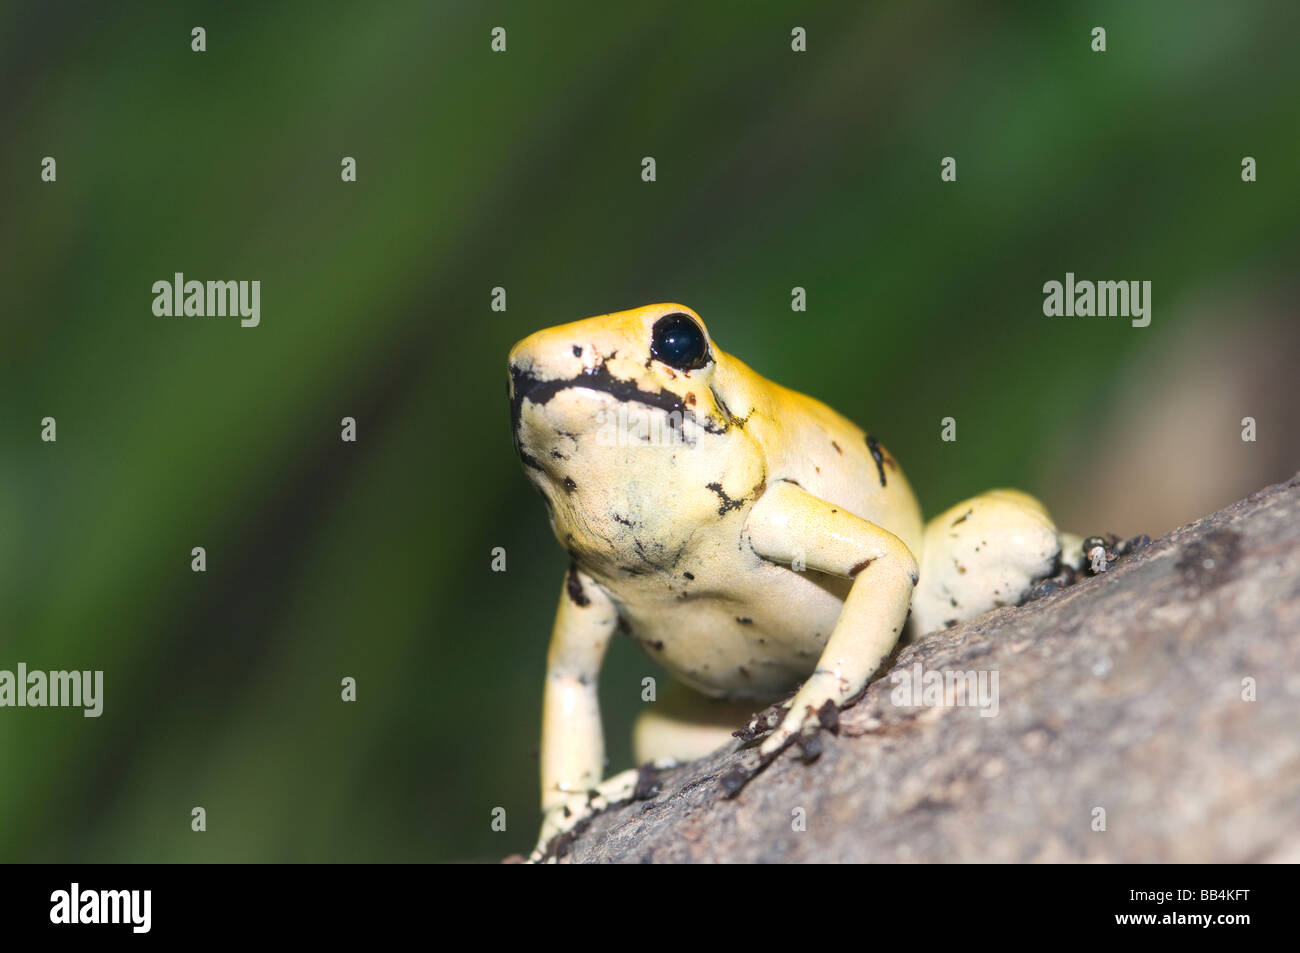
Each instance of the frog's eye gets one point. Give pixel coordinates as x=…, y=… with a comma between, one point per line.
x=679, y=342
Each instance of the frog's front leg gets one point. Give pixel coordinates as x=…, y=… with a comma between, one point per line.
x=573, y=740
x=788, y=524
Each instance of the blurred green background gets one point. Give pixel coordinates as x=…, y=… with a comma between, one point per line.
x=522, y=170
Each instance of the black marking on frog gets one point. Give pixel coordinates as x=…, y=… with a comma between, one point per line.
x=574, y=587
x=965, y=516
x=859, y=567
x=728, y=503
x=744, y=620
x=620, y=519
x=876, y=454
x=838, y=448
x=642, y=555
x=689, y=575
x=752, y=497
x=540, y=391
x=732, y=419
x=569, y=485
x=577, y=350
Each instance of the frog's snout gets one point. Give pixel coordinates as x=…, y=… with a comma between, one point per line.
x=529, y=363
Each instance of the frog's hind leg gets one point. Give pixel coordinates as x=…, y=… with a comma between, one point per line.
x=682, y=725
x=985, y=552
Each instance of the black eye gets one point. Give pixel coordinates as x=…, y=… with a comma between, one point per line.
x=679, y=342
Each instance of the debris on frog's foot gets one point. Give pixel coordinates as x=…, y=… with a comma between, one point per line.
x=1101, y=554
x=761, y=723
x=808, y=741
x=828, y=717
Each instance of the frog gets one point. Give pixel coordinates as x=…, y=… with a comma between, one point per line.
x=755, y=543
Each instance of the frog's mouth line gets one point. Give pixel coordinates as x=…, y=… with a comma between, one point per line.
x=540, y=391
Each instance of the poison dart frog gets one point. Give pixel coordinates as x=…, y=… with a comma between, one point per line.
x=752, y=540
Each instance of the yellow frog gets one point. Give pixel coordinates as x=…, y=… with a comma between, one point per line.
x=748, y=537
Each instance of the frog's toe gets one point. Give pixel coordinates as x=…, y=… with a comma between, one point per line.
x=776, y=742
x=799, y=726
x=559, y=822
